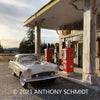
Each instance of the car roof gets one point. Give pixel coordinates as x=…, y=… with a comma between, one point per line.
x=20, y=55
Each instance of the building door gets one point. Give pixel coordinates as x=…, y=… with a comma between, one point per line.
x=80, y=54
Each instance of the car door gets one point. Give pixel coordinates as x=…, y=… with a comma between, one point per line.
x=12, y=64
x=16, y=67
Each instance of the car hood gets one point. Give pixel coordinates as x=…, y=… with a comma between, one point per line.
x=38, y=67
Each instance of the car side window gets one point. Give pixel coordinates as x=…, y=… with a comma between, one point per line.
x=19, y=60
x=14, y=59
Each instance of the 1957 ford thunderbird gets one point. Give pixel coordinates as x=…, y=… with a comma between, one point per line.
x=29, y=69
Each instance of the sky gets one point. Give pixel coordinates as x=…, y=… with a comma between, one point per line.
x=13, y=13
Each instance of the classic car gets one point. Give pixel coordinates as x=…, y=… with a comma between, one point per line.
x=29, y=69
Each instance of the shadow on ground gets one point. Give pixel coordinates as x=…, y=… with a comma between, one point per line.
x=62, y=84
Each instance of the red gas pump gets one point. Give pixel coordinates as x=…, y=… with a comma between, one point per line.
x=68, y=63
x=48, y=54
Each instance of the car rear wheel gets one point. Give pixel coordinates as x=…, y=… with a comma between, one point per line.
x=22, y=82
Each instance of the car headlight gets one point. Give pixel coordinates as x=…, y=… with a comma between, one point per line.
x=53, y=73
x=37, y=76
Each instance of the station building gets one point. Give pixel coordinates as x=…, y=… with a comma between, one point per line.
x=77, y=21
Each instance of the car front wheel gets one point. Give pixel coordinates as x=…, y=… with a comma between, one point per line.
x=13, y=73
x=52, y=80
x=22, y=82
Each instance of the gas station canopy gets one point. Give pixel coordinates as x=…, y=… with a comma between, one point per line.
x=58, y=13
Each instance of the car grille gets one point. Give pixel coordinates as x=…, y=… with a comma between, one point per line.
x=43, y=74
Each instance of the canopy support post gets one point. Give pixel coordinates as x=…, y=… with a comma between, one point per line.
x=89, y=42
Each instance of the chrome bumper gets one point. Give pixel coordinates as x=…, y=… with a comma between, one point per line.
x=40, y=79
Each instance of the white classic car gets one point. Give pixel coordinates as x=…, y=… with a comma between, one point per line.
x=29, y=69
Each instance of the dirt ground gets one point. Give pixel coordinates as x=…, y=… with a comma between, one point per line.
x=10, y=89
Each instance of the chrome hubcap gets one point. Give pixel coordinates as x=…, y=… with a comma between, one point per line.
x=22, y=80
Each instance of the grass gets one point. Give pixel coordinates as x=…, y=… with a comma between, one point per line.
x=4, y=61
x=5, y=57
x=7, y=54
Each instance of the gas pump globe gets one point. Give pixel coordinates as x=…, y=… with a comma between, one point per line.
x=68, y=59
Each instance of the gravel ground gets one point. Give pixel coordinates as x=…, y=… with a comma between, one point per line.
x=10, y=89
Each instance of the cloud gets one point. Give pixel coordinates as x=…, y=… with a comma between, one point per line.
x=49, y=36
x=8, y=43
x=50, y=39
x=13, y=13
x=19, y=3
x=17, y=33
x=11, y=23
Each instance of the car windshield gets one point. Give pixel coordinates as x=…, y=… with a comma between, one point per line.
x=27, y=58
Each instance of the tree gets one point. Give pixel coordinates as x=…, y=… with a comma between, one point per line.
x=27, y=45
x=52, y=46
x=31, y=40
x=30, y=36
x=1, y=48
x=43, y=46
